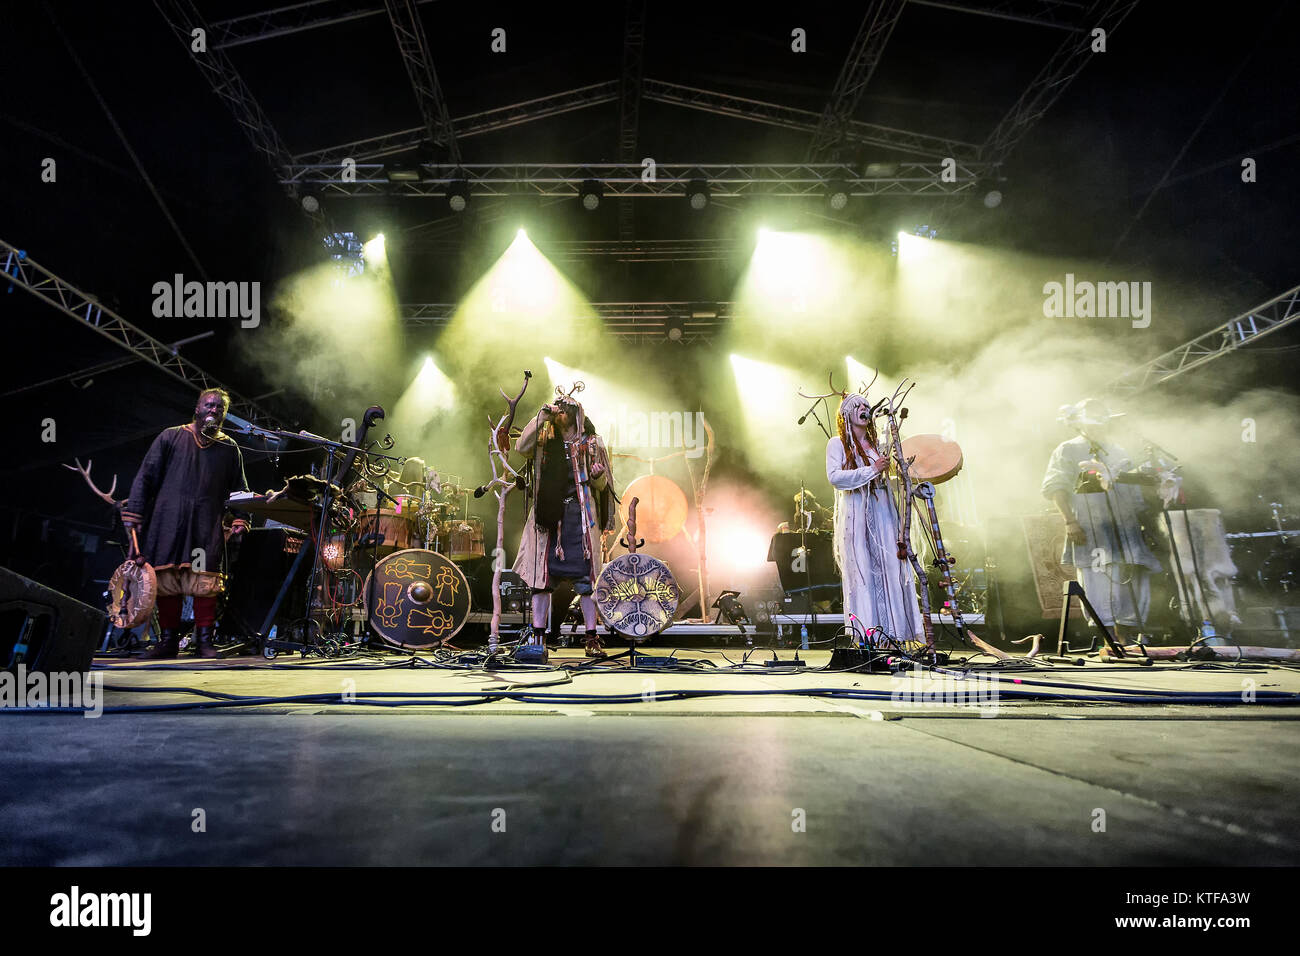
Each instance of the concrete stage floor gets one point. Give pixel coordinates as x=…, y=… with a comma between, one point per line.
x=545, y=776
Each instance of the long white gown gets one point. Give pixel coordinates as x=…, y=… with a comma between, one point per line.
x=879, y=589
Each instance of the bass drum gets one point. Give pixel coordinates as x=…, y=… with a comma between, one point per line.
x=416, y=599
x=462, y=539
x=637, y=596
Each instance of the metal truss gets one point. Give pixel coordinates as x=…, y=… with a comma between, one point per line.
x=621, y=179
x=863, y=57
x=645, y=322
x=22, y=271
x=1059, y=14
x=283, y=21
x=1234, y=334
x=787, y=117
x=226, y=82
x=472, y=124
x=1066, y=63
x=629, y=97
x=424, y=79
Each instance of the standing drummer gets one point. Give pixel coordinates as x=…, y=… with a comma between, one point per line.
x=572, y=502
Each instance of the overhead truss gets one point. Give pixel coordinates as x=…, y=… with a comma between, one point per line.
x=283, y=21
x=1059, y=14
x=1236, y=333
x=649, y=323
x=621, y=179
x=20, y=270
x=414, y=47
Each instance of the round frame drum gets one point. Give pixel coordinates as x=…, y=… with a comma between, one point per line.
x=462, y=539
x=416, y=598
x=133, y=592
x=397, y=532
x=637, y=596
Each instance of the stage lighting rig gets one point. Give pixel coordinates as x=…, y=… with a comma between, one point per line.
x=458, y=196
x=837, y=195
x=590, y=192
x=697, y=193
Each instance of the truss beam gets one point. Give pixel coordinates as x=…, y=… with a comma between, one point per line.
x=863, y=57
x=1236, y=333
x=283, y=21
x=1058, y=14
x=621, y=179
x=31, y=277
x=413, y=46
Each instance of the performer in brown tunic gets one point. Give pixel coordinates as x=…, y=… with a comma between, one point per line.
x=572, y=503
x=177, y=502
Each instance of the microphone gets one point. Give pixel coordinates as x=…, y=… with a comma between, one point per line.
x=480, y=491
x=811, y=409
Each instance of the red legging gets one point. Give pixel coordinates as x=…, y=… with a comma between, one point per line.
x=169, y=611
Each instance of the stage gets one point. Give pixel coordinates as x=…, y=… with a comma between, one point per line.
x=391, y=760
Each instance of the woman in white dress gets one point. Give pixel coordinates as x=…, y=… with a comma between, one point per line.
x=879, y=589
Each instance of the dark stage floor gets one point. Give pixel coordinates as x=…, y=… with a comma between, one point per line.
x=702, y=781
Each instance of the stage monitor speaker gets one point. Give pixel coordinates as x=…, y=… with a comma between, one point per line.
x=264, y=559
x=59, y=632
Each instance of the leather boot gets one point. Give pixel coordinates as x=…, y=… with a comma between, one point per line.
x=168, y=646
x=594, y=647
x=203, y=639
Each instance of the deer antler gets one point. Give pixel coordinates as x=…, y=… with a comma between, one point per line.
x=577, y=387
x=834, y=391
x=84, y=471
x=875, y=375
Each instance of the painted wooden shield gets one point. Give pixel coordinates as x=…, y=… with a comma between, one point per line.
x=637, y=596
x=417, y=598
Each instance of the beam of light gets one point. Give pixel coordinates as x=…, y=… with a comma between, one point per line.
x=375, y=253
x=521, y=303
x=605, y=402
x=801, y=287
x=740, y=524
x=913, y=249
x=430, y=391
x=860, y=375
x=767, y=396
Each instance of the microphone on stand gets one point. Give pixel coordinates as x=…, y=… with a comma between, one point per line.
x=804, y=417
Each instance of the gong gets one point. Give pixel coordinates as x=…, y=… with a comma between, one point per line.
x=937, y=459
x=637, y=596
x=663, y=507
x=132, y=594
x=416, y=598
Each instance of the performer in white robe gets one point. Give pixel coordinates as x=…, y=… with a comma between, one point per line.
x=879, y=589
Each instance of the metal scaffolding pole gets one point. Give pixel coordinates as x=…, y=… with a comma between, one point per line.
x=282, y=21
x=1058, y=14
x=22, y=271
x=1236, y=333
x=864, y=55
x=414, y=48
x=629, y=97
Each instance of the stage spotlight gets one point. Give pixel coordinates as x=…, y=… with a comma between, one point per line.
x=697, y=193
x=880, y=170
x=590, y=192
x=674, y=329
x=310, y=202
x=520, y=233
x=402, y=174
x=458, y=195
x=992, y=199
x=837, y=195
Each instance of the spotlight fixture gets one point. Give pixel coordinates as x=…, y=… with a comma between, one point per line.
x=310, y=202
x=837, y=195
x=674, y=329
x=590, y=192
x=402, y=174
x=993, y=199
x=458, y=195
x=880, y=170
x=697, y=193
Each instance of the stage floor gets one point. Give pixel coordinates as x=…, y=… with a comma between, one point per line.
x=750, y=768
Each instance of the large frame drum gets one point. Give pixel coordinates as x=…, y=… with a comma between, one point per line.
x=416, y=598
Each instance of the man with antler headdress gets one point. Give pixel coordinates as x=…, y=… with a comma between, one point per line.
x=879, y=588
x=176, y=506
x=572, y=503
